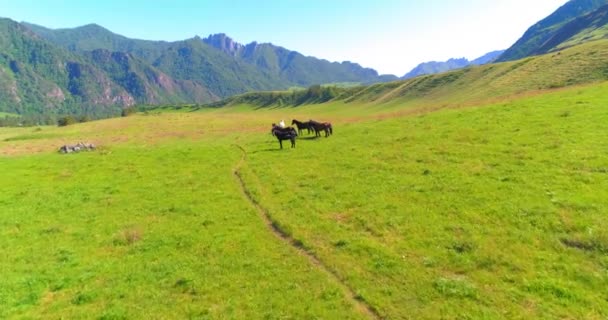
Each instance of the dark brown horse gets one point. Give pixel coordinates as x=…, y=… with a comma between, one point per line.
x=288, y=133
x=302, y=125
x=322, y=126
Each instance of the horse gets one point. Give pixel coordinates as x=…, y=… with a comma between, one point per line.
x=302, y=125
x=288, y=133
x=322, y=126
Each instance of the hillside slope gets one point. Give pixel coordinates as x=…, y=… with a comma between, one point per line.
x=218, y=63
x=581, y=64
x=590, y=27
x=40, y=77
x=146, y=83
x=293, y=67
x=536, y=36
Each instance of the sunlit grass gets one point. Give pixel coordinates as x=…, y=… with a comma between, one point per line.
x=491, y=211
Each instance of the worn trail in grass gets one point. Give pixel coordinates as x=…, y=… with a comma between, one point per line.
x=493, y=212
x=147, y=232
x=349, y=293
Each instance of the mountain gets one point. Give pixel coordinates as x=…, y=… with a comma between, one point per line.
x=92, y=36
x=433, y=67
x=293, y=67
x=224, y=43
x=487, y=58
x=37, y=77
x=144, y=82
x=578, y=65
x=534, y=41
x=590, y=27
x=132, y=71
x=189, y=60
x=92, y=70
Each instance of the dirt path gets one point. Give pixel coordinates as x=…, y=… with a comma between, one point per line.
x=359, y=303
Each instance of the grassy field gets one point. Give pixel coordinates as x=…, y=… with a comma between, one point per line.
x=137, y=231
x=491, y=211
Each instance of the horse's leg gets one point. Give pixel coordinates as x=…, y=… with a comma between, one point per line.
x=293, y=142
x=281, y=143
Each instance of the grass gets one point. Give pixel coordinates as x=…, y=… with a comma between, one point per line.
x=144, y=232
x=491, y=211
x=494, y=212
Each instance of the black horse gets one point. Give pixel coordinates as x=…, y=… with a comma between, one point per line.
x=322, y=126
x=288, y=133
x=302, y=125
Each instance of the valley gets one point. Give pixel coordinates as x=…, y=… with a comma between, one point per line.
x=475, y=193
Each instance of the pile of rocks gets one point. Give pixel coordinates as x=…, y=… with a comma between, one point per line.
x=81, y=146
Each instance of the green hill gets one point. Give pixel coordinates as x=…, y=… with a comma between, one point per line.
x=590, y=27
x=38, y=77
x=157, y=72
x=581, y=64
x=92, y=36
x=146, y=83
x=42, y=78
x=199, y=62
x=548, y=33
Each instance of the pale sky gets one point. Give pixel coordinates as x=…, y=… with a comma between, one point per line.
x=390, y=36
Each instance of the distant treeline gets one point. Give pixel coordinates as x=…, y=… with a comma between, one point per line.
x=30, y=120
x=313, y=95
x=41, y=120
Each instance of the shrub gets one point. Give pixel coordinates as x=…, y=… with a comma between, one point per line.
x=84, y=118
x=66, y=121
x=127, y=111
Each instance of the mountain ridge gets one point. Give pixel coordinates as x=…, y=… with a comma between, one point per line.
x=432, y=67
x=90, y=69
x=538, y=34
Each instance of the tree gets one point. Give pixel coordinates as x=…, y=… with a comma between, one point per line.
x=66, y=121
x=127, y=111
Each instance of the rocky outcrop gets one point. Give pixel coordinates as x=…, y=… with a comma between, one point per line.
x=224, y=43
x=81, y=146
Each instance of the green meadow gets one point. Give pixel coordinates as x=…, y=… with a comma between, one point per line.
x=496, y=210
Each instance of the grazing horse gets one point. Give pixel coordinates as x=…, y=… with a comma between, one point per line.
x=302, y=125
x=288, y=133
x=322, y=126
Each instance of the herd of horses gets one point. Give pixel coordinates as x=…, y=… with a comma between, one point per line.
x=290, y=133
